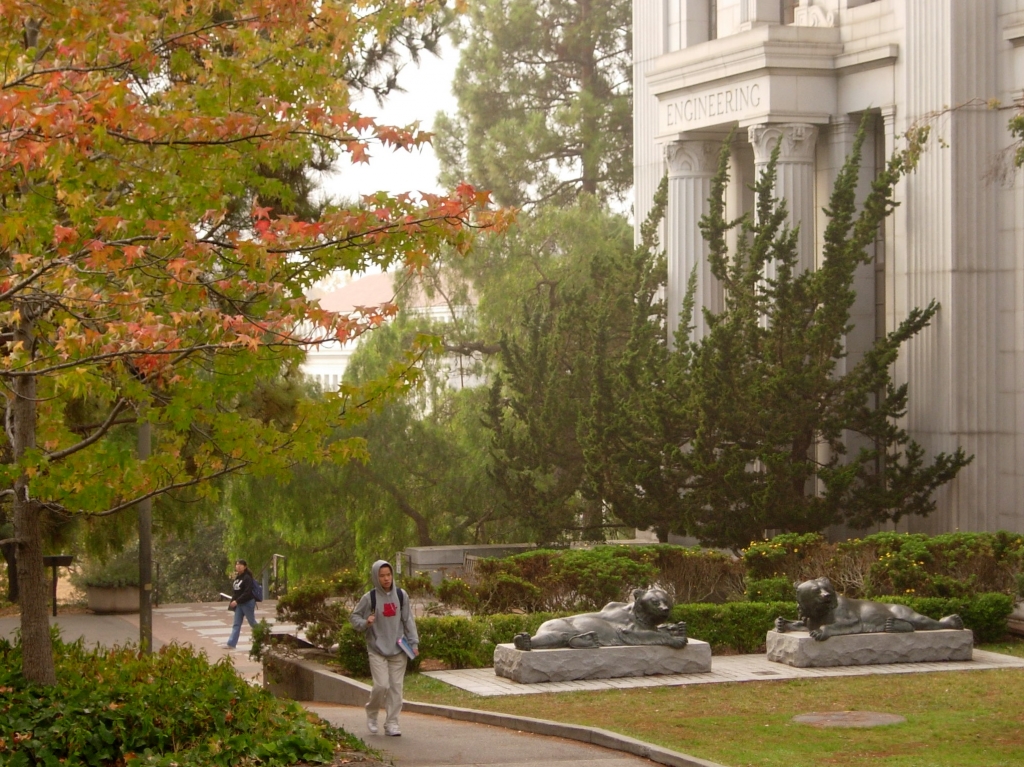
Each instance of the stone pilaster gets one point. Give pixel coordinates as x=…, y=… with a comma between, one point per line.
x=794, y=181
x=691, y=166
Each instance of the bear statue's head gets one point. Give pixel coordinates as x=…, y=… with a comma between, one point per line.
x=816, y=597
x=651, y=607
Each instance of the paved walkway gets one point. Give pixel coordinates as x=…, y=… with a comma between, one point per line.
x=205, y=626
x=724, y=668
x=431, y=741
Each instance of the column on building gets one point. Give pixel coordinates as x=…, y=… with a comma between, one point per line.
x=794, y=177
x=691, y=167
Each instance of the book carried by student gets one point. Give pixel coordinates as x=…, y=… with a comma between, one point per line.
x=406, y=647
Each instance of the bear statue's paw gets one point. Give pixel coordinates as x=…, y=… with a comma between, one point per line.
x=818, y=635
x=522, y=642
x=953, y=622
x=781, y=624
x=676, y=629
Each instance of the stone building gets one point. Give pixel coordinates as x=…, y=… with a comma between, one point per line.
x=803, y=73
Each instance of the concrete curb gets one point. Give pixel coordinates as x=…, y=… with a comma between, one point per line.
x=307, y=681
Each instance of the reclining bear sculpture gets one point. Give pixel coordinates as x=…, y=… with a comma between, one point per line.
x=824, y=614
x=640, y=622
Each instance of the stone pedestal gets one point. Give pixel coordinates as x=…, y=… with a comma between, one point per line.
x=566, y=665
x=797, y=648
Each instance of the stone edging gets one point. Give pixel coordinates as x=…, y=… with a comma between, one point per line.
x=304, y=680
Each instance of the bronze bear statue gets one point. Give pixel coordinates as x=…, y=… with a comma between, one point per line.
x=824, y=614
x=640, y=622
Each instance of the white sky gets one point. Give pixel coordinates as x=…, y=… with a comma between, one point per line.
x=427, y=92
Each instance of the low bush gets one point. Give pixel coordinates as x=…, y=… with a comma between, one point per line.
x=352, y=651
x=770, y=590
x=456, y=593
x=984, y=614
x=119, y=571
x=734, y=627
x=455, y=641
x=892, y=564
x=580, y=580
x=418, y=585
x=170, y=708
x=314, y=608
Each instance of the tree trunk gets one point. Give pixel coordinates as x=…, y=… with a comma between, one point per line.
x=36, y=646
x=10, y=556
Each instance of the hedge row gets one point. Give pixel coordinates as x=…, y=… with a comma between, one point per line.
x=955, y=565
x=894, y=564
x=734, y=627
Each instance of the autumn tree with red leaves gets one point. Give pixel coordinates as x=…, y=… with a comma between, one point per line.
x=149, y=271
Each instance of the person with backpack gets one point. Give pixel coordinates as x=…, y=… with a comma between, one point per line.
x=244, y=596
x=384, y=617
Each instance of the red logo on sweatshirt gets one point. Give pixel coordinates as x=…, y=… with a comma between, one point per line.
x=389, y=610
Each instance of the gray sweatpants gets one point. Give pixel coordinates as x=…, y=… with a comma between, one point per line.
x=388, y=674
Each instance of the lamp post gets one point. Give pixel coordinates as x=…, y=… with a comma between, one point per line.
x=145, y=551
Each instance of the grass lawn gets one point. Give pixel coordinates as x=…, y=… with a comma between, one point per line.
x=954, y=719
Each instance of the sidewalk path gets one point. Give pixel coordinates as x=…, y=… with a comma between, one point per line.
x=204, y=625
x=431, y=741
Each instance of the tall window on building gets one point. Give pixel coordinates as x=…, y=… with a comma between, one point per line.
x=787, y=10
x=712, y=19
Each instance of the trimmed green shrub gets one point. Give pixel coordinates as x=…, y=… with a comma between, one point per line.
x=505, y=593
x=984, y=614
x=418, y=585
x=119, y=571
x=770, y=590
x=734, y=627
x=352, y=651
x=313, y=608
x=949, y=565
x=794, y=556
x=581, y=580
x=500, y=629
x=455, y=592
x=173, y=707
x=457, y=642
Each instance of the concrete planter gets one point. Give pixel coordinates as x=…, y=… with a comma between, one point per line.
x=122, y=599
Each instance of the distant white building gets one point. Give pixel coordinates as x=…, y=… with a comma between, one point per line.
x=801, y=74
x=327, y=362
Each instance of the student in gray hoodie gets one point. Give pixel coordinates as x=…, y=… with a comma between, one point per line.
x=383, y=627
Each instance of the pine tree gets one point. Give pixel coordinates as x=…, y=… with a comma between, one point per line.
x=772, y=411
x=636, y=423
x=545, y=101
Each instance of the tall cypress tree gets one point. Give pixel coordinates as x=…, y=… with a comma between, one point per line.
x=772, y=411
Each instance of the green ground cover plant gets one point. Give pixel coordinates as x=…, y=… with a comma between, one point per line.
x=954, y=719
x=172, y=708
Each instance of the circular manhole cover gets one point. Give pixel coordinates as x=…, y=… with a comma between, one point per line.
x=848, y=719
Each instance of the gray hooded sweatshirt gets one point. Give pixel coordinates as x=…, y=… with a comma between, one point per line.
x=393, y=620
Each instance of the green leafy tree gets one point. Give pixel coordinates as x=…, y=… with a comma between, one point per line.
x=637, y=422
x=130, y=292
x=772, y=412
x=420, y=479
x=569, y=331
x=545, y=101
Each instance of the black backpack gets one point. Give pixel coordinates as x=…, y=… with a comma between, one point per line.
x=373, y=600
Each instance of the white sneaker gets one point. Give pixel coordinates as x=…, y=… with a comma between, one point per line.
x=225, y=646
x=392, y=730
x=371, y=724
